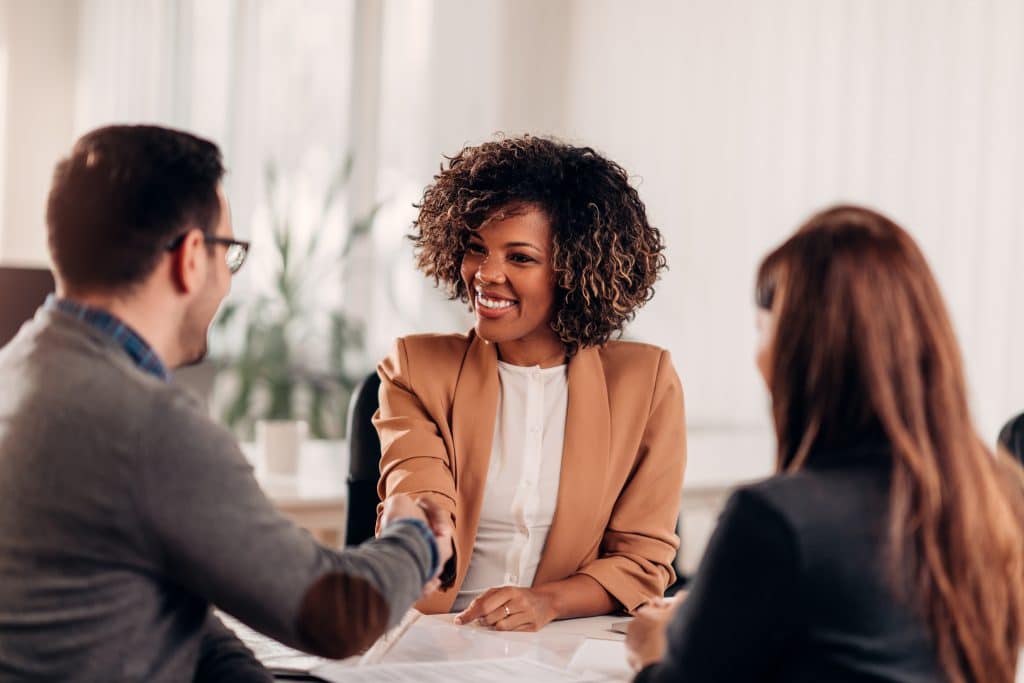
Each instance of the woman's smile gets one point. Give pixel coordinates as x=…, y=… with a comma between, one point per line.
x=492, y=305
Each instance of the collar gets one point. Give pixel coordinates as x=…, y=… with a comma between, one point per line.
x=135, y=346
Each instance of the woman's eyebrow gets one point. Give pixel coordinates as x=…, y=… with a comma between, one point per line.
x=524, y=244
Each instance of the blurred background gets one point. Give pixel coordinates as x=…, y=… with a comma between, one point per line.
x=736, y=118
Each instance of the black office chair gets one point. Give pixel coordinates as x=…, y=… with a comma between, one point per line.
x=682, y=580
x=1011, y=437
x=364, y=462
x=24, y=289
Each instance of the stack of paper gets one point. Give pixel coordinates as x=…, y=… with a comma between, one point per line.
x=424, y=649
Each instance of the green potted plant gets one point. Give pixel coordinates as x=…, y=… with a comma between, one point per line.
x=285, y=353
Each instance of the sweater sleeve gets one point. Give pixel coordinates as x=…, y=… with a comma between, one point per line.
x=215, y=533
x=744, y=603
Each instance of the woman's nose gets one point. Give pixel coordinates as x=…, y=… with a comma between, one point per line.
x=487, y=273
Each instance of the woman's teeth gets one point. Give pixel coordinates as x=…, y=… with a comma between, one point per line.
x=493, y=303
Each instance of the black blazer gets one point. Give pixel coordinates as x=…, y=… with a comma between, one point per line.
x=794, y=586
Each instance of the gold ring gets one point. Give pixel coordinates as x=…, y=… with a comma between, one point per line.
x=508, y=612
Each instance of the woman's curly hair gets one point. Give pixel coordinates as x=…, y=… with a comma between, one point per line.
x=606, y=255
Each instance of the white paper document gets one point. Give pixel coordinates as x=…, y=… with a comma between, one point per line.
x=603, y=658
x=425, y=649
x=276, y=657
x=435, y=638
x=467, y=671
x=599, y=628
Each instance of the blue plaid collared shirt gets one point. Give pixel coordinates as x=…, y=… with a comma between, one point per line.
x=127, y=338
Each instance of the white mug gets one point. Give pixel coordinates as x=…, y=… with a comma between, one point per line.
x=279, y=443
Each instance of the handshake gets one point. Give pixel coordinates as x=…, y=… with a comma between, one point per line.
x=403, y=506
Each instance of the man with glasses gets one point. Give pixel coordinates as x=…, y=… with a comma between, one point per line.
x=124, y=512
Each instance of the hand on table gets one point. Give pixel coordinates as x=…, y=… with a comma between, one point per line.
x=510, y=608
x=403, y=506
x=646, y=640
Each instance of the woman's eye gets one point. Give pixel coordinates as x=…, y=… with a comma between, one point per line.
x=475, y=248
x=521, y=258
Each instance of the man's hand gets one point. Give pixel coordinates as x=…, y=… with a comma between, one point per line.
x=509, y=608
x=646, y=641
x=404, y=506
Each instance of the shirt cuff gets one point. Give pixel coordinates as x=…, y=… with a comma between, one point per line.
x=428, y=537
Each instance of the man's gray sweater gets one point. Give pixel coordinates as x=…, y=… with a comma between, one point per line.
x=125, y=513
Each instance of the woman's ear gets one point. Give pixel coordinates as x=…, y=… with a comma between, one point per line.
x=765, y=346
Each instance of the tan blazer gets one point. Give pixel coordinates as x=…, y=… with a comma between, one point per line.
x=622, y=462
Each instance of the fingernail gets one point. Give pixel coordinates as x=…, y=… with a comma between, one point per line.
x=458, y=620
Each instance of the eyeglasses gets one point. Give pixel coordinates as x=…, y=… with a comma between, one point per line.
x=234, y=255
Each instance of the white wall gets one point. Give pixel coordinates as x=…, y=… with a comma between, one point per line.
x=39, y=39
x=740, y=118
x=454, y=72
x=4, y=103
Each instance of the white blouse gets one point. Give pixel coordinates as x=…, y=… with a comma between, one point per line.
x=522, y=479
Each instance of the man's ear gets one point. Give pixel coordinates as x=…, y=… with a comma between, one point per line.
x=190, y=262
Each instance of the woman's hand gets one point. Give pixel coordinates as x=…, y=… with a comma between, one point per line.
x=646, y=640
x=510, y=608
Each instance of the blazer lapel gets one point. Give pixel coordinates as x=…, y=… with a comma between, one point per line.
x=582, y=484
x=474, y=409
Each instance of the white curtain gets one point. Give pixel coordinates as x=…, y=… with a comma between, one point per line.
x=268, y=83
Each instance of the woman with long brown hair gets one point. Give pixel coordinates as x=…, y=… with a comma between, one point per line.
x=890, y=546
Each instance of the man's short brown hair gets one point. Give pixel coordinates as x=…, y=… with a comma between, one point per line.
x=121, y=196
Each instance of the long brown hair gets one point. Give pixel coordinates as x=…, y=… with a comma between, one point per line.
x=864, y=346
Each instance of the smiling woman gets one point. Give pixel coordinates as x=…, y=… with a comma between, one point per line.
x=508, y=273
x=558, y=452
